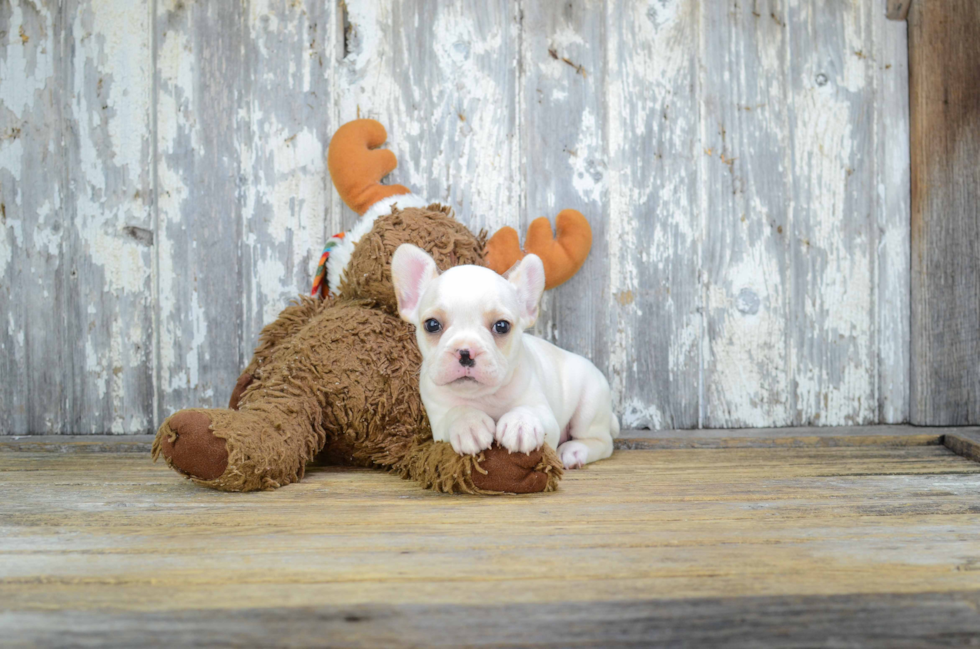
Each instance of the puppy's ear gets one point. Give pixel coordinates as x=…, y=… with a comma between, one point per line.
x=528, y=278
x=411, y=271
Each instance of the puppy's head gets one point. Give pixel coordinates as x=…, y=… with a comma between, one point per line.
x=469, y=319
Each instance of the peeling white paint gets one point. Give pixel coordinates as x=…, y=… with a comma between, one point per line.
x=189, y=376
x=26, y=66
x=653, y=217
x=169, y=203
x=452, y=124
x=588, y=179
x=175, y=67
x=639, y=413
x=47, y=235
x=110, y=85
x=688, y=161
x=286, y=193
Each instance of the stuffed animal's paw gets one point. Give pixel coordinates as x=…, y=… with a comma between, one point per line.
x=520, y=431
x=189, y=446
x=501, y=471
x=471, y=432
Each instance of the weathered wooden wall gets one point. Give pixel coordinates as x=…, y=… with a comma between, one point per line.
x=163, y=191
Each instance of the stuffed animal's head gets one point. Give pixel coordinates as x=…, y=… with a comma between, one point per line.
x=360, y=266
x=432, y=228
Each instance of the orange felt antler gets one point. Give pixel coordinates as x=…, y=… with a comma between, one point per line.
x=562, y=253
x=357, y=165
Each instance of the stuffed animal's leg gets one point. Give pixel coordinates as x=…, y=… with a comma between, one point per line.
x=263, y=447
x=435, y=465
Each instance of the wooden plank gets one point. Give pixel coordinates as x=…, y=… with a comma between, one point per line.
x=448, y=102
x=131, y=537
x=889, y=621
x=199, y=277
x=649, y=312
x=109, y=216
x=76, y=444
x=964, y=442
x=831, y=230
x=893, y=199
x=36, y=277
x=944, y=56
x=789, y=146
x=289, y=101
x=747, y=190
x=81, y=337
x=804, y=437
x=563, y=149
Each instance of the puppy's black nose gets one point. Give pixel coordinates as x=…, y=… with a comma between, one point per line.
x=465, y=359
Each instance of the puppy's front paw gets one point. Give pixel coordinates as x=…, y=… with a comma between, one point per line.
x=471, y=432
x=573, y=455
x=520, y=431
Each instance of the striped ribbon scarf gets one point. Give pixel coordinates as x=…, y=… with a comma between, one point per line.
x=320, y=287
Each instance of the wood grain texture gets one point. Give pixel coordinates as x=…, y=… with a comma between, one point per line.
x=652, y=301
x=745, y=172
x=746, y=200
x=795, y=437
x=76, y=443
x=797, y=528
x=919, y=621
x=563, y=103
x=200, y=131
x=289, y=103
x=792, y=233
x=964, y=442
x=36, y=277
x=893, y=199
x=831, y=228
x=442, y=78
x=944, y=91
x=109, y=215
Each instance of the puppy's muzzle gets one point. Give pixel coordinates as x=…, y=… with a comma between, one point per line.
x=465, y=359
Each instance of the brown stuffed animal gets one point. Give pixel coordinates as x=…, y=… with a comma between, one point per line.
x=337, y=378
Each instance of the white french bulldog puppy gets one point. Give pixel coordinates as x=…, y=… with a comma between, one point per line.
x=483, y=378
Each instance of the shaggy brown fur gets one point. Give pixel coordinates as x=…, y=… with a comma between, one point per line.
x=339, y=378
x=449, y=242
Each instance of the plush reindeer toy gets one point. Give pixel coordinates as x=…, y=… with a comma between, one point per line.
x=335, y=377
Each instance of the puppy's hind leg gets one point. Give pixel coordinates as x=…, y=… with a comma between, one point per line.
x=592, y=430
x=579, y=451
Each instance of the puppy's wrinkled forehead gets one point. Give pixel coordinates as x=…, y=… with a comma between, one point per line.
x=471, y=288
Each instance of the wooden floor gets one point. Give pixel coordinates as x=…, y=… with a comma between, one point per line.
x=878, y=545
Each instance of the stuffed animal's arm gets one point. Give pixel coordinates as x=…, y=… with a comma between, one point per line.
x=435, y=465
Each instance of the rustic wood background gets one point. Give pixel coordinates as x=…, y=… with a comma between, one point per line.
x=745, y=167
x=944, y=96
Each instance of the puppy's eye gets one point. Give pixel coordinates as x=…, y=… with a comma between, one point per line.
x=432, y=326
x=501, y=327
